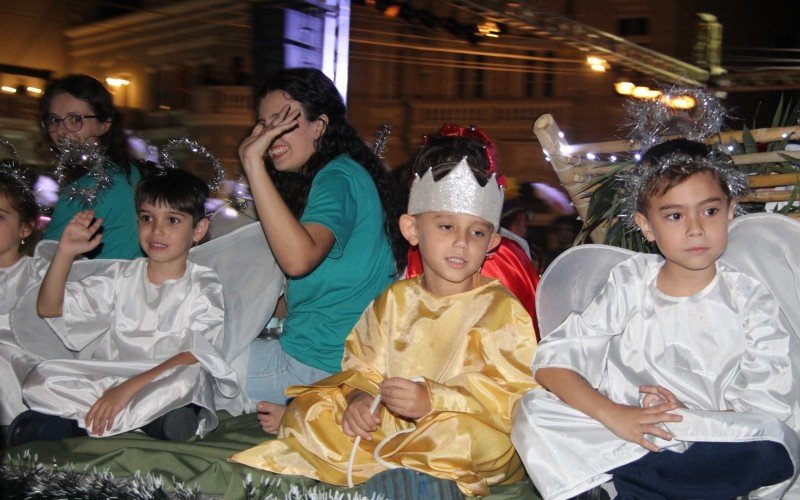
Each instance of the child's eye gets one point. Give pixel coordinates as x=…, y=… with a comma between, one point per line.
x=673, y=217
x=446, y=227
x=712, y=211
x=478, y=233
x=145, y=218
x=2, y=218
x=174, y=220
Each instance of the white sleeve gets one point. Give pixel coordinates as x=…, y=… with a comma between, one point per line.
x=88, y=308
x=206, y=331
x=581, y=342
x=764, y=381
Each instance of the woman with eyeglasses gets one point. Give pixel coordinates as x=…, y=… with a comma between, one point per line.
x=79, y=108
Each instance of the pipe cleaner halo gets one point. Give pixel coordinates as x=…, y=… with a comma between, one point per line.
x=89, y=156
x=166, y=152
x=653, y=122
x=11, y=166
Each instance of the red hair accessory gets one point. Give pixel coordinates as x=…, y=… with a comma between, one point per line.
x=473, y=132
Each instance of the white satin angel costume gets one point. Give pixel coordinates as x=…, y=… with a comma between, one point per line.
x=15, y=362
x=122, y=325
x=721, y=349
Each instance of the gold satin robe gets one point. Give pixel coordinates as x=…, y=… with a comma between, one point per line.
x=474, y=351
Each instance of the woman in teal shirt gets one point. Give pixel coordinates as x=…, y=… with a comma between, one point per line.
x=79, y=108
x=329, y=211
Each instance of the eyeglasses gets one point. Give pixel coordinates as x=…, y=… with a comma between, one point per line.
x=73, y=123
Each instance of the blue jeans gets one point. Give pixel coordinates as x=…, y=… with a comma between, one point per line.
x=270, y=371
x=706, y=470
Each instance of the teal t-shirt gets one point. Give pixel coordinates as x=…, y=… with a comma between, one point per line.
x=115, y=205
x=323, y=306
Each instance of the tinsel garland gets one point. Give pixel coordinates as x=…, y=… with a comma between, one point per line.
x=382, y=140
x=652, y=121
x=240, y=197
x=166, y=152
x=89, y=156
x=641, y=175
x=24, y=477
x=11, y=165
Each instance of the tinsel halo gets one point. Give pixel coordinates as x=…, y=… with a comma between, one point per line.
x=382, y=140
x=643, y=174
x=89, y=156
x=11, y=165
x=652, y=121
x=166, y=152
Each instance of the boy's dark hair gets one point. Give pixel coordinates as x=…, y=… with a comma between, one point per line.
x=176, y=188
x=20, y=197
x=442, y=154
x=668, y=178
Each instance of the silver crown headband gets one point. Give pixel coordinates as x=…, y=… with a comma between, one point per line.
x=652, y=122
x=457, y=192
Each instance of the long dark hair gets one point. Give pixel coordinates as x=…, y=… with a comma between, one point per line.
x=318, y=96
x=86, y=88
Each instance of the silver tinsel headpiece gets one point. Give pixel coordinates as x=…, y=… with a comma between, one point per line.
x=88, y=156
x=457, y=192
x=652, y=122
x=165, y=156
x=11, y=166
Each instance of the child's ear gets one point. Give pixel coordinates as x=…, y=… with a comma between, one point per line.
x=644, y=225
x=494, y=240
x=731, y=210
x=25, y=230
x=408, y=227
x=320, y=124
x=200, y=229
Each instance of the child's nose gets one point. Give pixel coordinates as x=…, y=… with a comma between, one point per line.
x=460, y=239
x=695, y=227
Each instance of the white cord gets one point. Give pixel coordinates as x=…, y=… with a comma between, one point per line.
x=376, y=453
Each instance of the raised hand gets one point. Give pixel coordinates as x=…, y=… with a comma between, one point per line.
x=101, y=415
x=81, y=234
x=357, y=419
x=633, y=423
x=656, y=394
x=405, y=397
x=254, y=147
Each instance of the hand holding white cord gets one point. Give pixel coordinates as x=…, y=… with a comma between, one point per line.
x=407, y=397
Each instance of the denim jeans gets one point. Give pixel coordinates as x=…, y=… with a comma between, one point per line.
x=270, y=371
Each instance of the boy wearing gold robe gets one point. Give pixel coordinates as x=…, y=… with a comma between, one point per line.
x=433, y=369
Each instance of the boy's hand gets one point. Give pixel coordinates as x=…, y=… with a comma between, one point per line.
x=254, y=146
x=656, y=394
x=632, y=423
x=101, y=415
x=80, y=235
x=405, y=397
x=357, y=419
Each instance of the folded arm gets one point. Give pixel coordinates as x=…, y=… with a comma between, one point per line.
x=104, y=411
